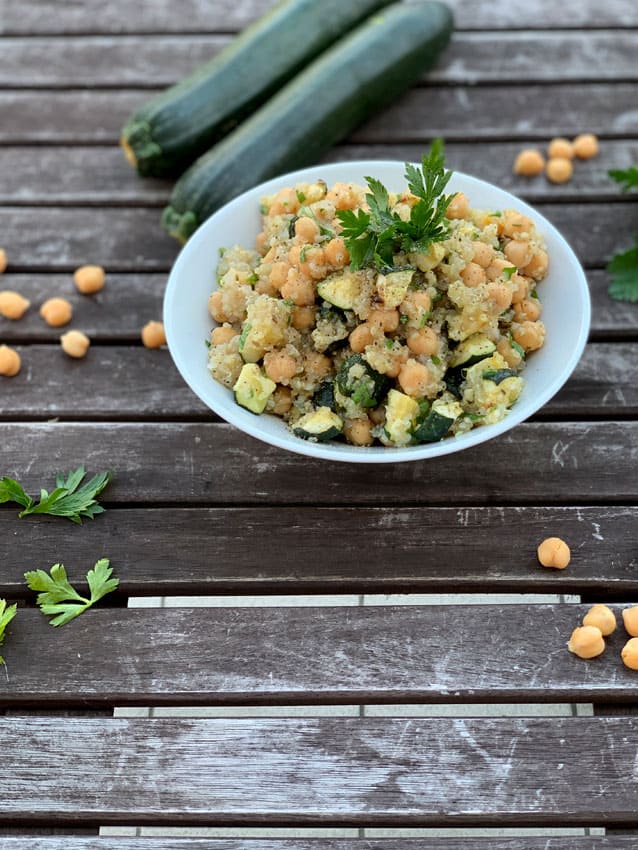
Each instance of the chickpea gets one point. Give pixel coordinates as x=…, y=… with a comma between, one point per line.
x=515, y=223
x=537, y=267
x=361, y=337
x=586, y=642
x=483, y=254
x=473, y=275
x=12, y=304
x=223, y=334
x=529, y=162
x=415, y=379
x=294, y=255
x=282, y=398
x=585, y=146
x=284, y=202
x=89, y=279
x=10, y=361
x=518, y=253
x=279, y=366
x=306, y=229
x=3, y=260
x=358, y=432
x=559, y=169
x=343, y=196
x=560, y=147
x=377, y=415
x=529, y=309
x=522, y=286
x=336, y=254
x=602, y=617
x=75, y=344
x=500, y=294
x=303, y=318
x=388, y=320
x=260, y=243
x=529, y=335
x=554, y=552
x=510, y=355
x=298, y=289
x=316, y=365
x=424, y=341
x=496, y=268
x=459, y=206
x=264, y=286
x=314, y=265
x=215, y=307
x=629, y=654
x=416, y=305
x=279, y=274
x=630, y=619
x=56, y=312
x=153, y=335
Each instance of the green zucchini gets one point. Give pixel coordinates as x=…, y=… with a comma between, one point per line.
x=438, y=421
x=357, y=380
x=341, y=289
x=320, y=425
x=498, y=375
x=352, y=81
x=170, y=131
x=253, y=389
x=473, y=349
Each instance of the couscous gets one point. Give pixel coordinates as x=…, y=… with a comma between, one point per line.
x=430, y=346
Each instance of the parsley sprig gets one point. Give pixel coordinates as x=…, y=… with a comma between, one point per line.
x=623, y=267
x=60, y=600
x=7, y=613
x=68, y=499
x=373, y=238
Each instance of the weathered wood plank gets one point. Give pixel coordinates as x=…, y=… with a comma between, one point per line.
x=130, y=300
x=46, y=16
x=100, y=176
x=344, y=654
x=312, y=550
x=492, y=112
x=69, y=842
x=60, y=239
x=217, y=465
x=558, y=771
x=135, y=382
x=161, y=60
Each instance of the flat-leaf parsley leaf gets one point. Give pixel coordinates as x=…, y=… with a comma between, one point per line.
x=628, y=178
x=7, y=613
x=624, y=275
x=60, y=600
x=67, y=499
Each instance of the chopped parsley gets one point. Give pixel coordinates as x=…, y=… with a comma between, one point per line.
x=517, y=348
x=300, y=196
x=436, y=360
x=252, y=278
x=389, y=344
x=508, y=271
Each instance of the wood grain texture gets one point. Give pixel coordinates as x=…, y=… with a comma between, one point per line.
x=69, y=842
x=284, y=655
x=129, y=300
x=60, y=239
x=133, y=382
x=191, y=551
x=98, y=176
x=215, y=464
x=558, y=771
x=162, y=60
x=46, y=16
x=456, y=113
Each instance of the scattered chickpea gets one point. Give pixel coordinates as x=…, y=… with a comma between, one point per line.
x=153, y=335
x=602, y=617
x=360, y=338
x=459, y=206
x=10, y=362
x=529, y=162
x=500, y=295
x=424, y=341
x=89, y=279
x=306, y=229
x=12, y=304
x=585, y=146
x=630, y=619
x=483, y=254
x=336, y=253
x=215, y=307
x=586, y=642
x=279, y=274
x=519, y=253
x=529, y=309
x=222, y=334
x=496, y=268
x=529, y=335
x=3, y=260
x=75, y=344
x=303, y=318
x=282, y=400
x=560, y=147
x=358, y=432
x=279, y=366
x=415, y=379
x=629, y=654
x=56, y=312
x=554, y=552
x=473, y=275
x=559, y=169
x=537, y=267
x=388, y=320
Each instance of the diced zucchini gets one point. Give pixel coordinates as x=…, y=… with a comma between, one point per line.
x=438, y=422
x=253, y=389
x=319, y=425
x=325, y=395
x=341, y=289
x=401, y=413
x=471, y=350
x=357, y=380
x=265, y=327
x=487, y=396
x=393, y=287
x=498, y=375
x=331, y=330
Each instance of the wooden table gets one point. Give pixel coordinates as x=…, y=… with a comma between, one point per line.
x=198, y=508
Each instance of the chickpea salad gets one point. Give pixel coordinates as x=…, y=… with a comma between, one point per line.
x=379, y=318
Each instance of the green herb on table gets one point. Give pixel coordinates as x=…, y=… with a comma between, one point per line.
x=60, y=600
x=373, y=238
x=628, y=178
x=623, y=267
x=68, y=499
x=7, y=613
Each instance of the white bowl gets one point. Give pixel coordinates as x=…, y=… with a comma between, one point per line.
x=564, y=294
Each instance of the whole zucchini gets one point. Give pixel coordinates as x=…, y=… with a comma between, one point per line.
x=347, y=84
x=172, y=129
